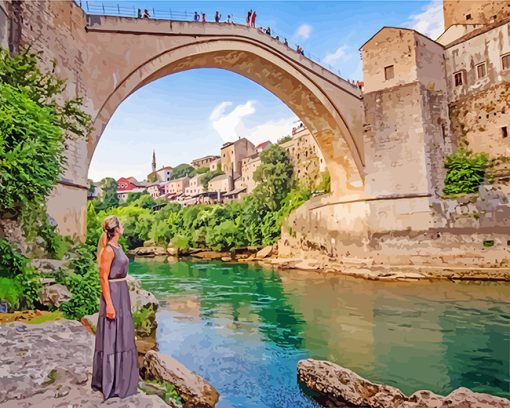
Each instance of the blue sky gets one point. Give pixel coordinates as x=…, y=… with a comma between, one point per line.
x=190, y=114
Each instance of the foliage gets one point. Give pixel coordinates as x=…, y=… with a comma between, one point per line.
x=141, y=320
x=274, y=177
x=10, y=290
x=83, y=283
x=325, y=184
x=12, y=262
x=284, y=139
x=14, y=265
x=21, y=71
x=33, y=126
x=201, y=170
x=152, y=177
x=171, y=396
x=256, y=220
x=466, y=171
x=109, y=197
x=180, y=242
x=208, y=177
x=182, y=170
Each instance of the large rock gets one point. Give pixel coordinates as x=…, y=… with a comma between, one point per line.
x=265, y=252
x=210, y=254
x=50, y=365
x=47, y=265
x=149, y=251
x=142, y=299
x=194, y=390
x=172, y=251
x=336, y=386
x=149, y=243
x=54, y=295
x=90, y=322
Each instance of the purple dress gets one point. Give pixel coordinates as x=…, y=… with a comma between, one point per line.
x=115, y=363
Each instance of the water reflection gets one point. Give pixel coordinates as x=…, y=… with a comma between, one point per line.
x=244, y=329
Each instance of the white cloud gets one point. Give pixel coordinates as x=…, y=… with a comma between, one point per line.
x=430, y=21
x=230, y=126
x=227, y=124
x=303, y=32
x=340, y=54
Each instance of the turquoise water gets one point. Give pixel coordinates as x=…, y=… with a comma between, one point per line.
x=244, y=328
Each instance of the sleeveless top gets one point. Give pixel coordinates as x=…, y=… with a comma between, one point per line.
x=120, y=263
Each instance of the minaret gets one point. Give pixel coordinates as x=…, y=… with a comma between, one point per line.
x=153, y=161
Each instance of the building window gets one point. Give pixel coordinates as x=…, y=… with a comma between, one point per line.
x=458, y=78
x=505, y=61
x=504, y=132
x=481, y=70
x=468, y=16
x=388, y=72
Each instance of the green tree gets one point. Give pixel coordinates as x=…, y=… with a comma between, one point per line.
x=274, y=177
x=182, y=170
x=109, y=197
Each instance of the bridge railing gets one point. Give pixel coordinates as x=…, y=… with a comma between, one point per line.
x=119, y=10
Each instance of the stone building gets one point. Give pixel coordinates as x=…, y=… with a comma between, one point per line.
x=249, y=165
x=204, y=161
x=222, y=184
x=406, y=113
x=177, y=186
x=424, y=98
x=306, y=157
x=233, y=153
x=195, y=186
x=478, y=77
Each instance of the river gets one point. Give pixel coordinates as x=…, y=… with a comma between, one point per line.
x=244, y=328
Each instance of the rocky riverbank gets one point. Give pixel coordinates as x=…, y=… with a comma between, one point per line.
x=355, y=267
x=336, y=386
x=50, y=364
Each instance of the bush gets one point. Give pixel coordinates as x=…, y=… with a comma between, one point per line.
x=33, y=126
x=466, y=171
x=82, y=280
x=12, y=262
x=10, y=290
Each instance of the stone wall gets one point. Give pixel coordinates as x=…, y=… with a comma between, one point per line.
x=474, y=11
x=478, y=120
x=306, y=158
x=402, y=232
x=487, y=47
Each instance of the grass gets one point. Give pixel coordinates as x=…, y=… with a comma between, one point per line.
x=46, y=317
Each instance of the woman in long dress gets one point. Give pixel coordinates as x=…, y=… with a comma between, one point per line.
x=115, y=369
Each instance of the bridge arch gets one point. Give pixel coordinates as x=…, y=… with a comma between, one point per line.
x=328, y=106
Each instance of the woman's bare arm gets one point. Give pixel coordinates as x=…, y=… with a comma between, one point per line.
x=104, y=270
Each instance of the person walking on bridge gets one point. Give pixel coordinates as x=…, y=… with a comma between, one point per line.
x=196, y=17
x=146, y=14
x=139, y=14
x=203, y=17
x=248, y=18
x=253, y=17
x=228, y=21
x=217, y=17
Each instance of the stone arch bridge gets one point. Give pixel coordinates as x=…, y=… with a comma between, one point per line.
x=105, y=59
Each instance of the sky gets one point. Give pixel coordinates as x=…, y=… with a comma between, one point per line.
x=192, y=113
